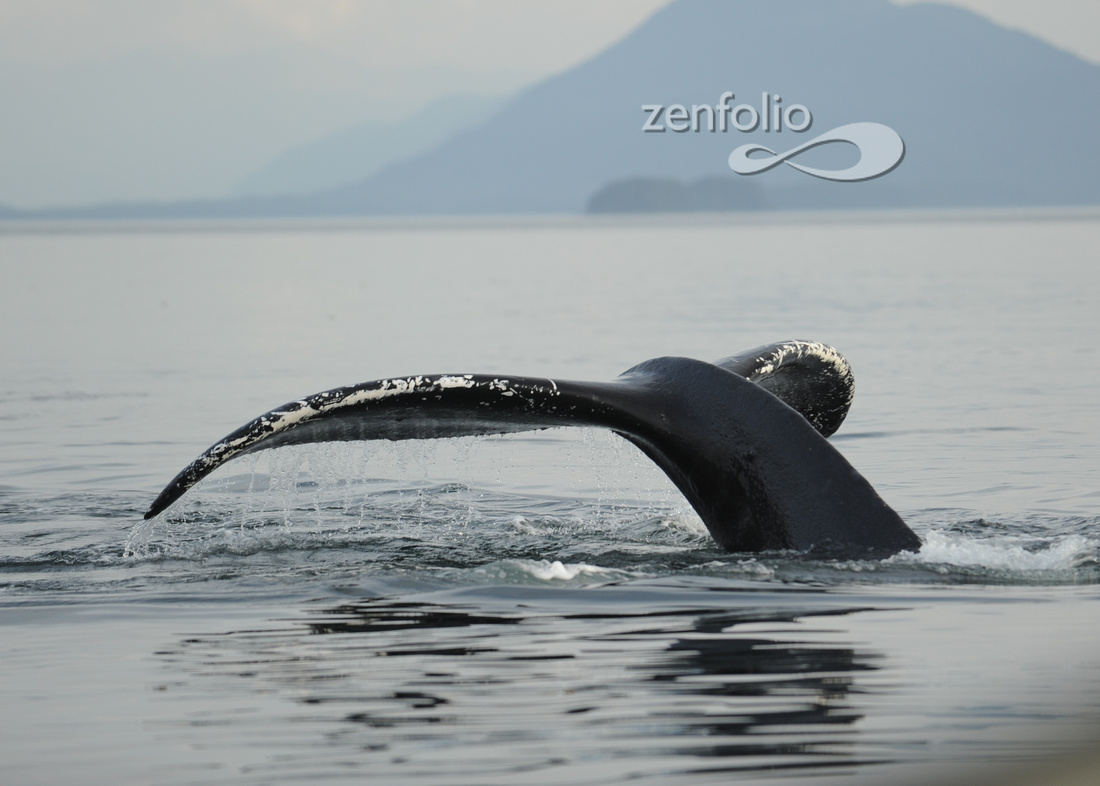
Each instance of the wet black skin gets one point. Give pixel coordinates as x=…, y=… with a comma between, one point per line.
x=744, y=439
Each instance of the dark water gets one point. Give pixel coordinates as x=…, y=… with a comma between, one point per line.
x=541, y=608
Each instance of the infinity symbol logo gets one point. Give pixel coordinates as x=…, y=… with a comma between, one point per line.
x=880, y=150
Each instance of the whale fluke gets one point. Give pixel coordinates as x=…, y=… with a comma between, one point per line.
x=743, y=438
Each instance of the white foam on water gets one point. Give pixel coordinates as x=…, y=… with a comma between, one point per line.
x=1014, y=555
x=528, y=571
x=750, y=567
x=685, y=522
x=559, y=571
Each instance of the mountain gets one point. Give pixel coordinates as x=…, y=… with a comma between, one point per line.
x=358, y=152
x=990, y=116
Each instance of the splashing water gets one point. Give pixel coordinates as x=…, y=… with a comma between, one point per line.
x=383, y=505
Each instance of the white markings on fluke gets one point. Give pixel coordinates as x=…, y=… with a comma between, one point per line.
x=799, y=349
x=446, y=382
x=307, y=409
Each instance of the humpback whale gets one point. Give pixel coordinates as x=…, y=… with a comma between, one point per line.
x=743, y=438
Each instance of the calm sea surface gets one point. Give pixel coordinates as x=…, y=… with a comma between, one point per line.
x=541, y=608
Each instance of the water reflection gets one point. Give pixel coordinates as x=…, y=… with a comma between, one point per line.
x=522, y=687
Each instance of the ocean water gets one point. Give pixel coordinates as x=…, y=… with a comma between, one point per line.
x=543, y=607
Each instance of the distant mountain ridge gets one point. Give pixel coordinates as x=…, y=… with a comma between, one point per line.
x=358, y=152
x=990, y=117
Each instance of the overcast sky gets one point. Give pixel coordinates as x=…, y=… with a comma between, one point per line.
x=525, y=35
x=530, y=35
x=1069, y=24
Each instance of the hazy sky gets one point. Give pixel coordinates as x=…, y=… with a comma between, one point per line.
x=531, y=35
x=1069, y=24
x=108, y=100
x=526, y=35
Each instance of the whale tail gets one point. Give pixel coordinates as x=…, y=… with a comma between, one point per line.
x=743, y=439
